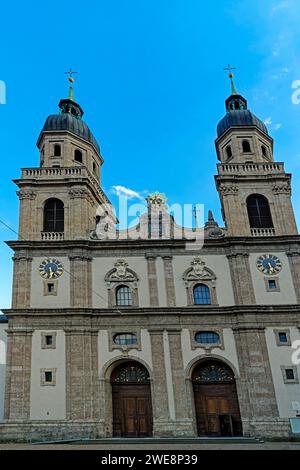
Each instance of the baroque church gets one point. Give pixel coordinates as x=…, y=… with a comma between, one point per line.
x=141, y=336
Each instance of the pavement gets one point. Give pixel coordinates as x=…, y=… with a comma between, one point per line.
x=148, y=446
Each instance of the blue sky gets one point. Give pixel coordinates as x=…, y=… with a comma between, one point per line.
x=152, y=85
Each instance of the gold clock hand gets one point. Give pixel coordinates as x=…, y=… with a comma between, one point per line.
x=271, y=267
x=51, y=272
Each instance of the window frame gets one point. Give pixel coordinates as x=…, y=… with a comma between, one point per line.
x=124, y=347
x=129, y=290
x=207, y=290
x=43, y=381
x=206, y=346
x=57, y=220
x=287, y=381
x=259, y=220
x=288, y=336
x=44, y=344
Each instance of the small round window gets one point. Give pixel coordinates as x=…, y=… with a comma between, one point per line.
x=207, y=337
x=125, y=339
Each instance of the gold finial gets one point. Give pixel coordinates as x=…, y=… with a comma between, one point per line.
x=71, y=81
x=230, y=75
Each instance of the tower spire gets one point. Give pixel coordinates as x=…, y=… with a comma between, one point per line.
x=71, y=81
x=230, y=75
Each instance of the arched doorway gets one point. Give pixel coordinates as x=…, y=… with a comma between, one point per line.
x=216, y=400
x=131, y=395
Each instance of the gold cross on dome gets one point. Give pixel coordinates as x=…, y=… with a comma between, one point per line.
x=70, y=73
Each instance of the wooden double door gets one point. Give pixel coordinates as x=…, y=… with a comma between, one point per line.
x=217, y=410
x=132, y=410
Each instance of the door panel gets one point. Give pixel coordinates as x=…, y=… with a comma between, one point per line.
x=217, y=410
x=132, y=411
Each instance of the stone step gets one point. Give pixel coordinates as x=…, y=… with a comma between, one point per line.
x=156, y=440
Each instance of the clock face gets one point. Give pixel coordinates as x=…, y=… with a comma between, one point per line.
x=269, y=264
x=51, y=268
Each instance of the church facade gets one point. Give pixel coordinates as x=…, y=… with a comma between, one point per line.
x=134, y=336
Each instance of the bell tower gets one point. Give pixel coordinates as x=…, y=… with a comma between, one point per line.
x=59, y=199
x=254, y=190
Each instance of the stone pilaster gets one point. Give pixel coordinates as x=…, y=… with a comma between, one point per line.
x=241, y=278
x=27, y=214
x=169, y=280
x=152, y=280
x=183, y=425
x=82, y=387
x=81, y=281
x=294, y=262
x=255, y=386
x=18, y=375
x=161, y=416
x=21, y=291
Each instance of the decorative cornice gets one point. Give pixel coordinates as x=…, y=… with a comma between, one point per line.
x=282, y=188
x=78, y=193
x=227, y=189
x=26, y=194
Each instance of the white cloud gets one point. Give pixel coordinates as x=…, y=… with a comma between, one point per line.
x=268, y=121
x=277, y=126
x=127, y=192
x=285, y=70
x=280, y=6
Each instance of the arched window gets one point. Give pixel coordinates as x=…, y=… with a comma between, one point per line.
x=130, y=372
x=246, y=146
x=259, y=212
x=263, y=151
x=207, y=337
x=123, y=296
x=78, y=156
x=57, y=150
x=211, y=372
x=54, y=216
x=228, y=151
x=201, y=295
x=125, y=338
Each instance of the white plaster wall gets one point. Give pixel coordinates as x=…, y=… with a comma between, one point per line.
x=3, y=327
x=38, y=299
x=48, y=402
x=104, y=355
x=287, y=291
x=100, y=268
x=218, y=264
x=229, y=351
x=281, y=356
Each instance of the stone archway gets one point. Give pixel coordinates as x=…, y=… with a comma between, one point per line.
x=131, y=399
x=216, y=400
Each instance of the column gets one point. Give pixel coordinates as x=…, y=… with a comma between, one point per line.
x=21, y=291
x=18, y=374
x=81, y=280
x=255, y=387
x=152, y=280
x=241, y=278
x=82, y=387
x=169, y=280
x=183, y=425
x=294, y=262
x=161, y=416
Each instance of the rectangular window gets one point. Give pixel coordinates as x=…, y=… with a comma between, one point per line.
x=49, y=340
x=50, y=287
x=48, y=376
x=282, y=337
x=272, y=284
x=289, y=373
